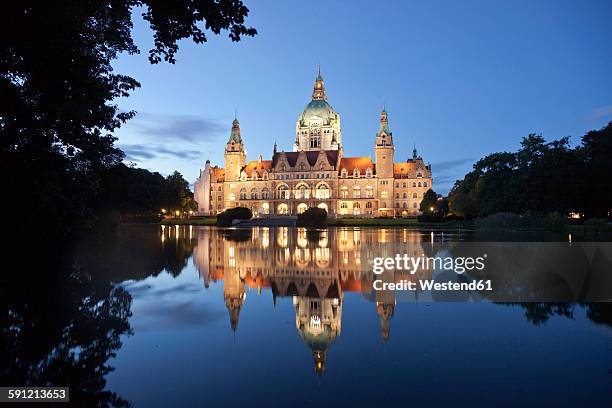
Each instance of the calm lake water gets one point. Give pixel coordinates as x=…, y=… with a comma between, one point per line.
x=190, y=316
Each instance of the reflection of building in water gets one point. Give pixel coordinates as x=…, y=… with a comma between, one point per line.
x=314, y=268
x=318, y=320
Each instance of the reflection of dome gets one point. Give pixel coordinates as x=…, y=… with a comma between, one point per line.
x=318, y=343
x=320, y=108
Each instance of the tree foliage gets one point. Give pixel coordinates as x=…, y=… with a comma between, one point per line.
x=57, y=87
x=541, y=177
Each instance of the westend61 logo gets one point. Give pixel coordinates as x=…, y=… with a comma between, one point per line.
x=410, y=264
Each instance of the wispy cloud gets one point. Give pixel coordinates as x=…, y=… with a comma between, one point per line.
x=450, y=164
x=602, y=112
x=166, y=127
x=141, y=152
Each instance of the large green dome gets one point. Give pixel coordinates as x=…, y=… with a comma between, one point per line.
x=320, y=108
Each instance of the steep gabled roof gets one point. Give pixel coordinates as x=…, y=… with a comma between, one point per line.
x=410, y=168
x=218, y=172
x=352, y=163
x=311, y=156
x=258, y=167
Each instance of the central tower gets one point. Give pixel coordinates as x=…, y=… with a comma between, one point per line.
x=318, y=127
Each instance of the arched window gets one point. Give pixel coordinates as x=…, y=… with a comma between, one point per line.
x=243, y=194
x=302, y=191
x=405, y=195
x=322, y=192
x=424, y=184
x=254, y=194
x=413, y=184
x=254, y=176
x=419, y=184
x=265, y=175
x=397, y=195
x=356, y=191
x=343, y=205
x=369, y=172
x=369, y=192
x=283, y=191
x=356, y=205
x=344, y=192
x=404, y=184
x=414, y=205
x=414, y=195
x=265, y=194
x=369, y=204
x=405, y=205
x=356, y=173
x=343, y=173
x=397, y=205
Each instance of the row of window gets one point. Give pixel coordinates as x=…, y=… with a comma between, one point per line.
x=405, y=195
x=356, y=205
x=300, y=176
x=414, y=184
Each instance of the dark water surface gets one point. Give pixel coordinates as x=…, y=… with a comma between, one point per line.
x=193, y=316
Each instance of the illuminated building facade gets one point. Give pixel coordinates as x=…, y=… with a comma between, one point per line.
x=316, y=173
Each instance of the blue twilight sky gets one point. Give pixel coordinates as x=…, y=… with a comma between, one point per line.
x=461, y=79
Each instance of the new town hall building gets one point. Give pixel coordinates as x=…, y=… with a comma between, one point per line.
x=316, y=173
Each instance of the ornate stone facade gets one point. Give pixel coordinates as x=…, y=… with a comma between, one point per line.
x=316, y=173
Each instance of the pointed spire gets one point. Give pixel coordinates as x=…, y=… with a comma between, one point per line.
x=235, y=132
x=384, y=122
x=318, y=92
x=275, y=147
x=414, y=152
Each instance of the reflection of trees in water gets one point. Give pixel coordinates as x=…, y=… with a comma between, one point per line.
x=59, y=331
x=539, y=313
x=137, y=252
x=61, y=327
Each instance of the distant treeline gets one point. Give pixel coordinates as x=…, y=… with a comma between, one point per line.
x=541, y=177
x=130, y=190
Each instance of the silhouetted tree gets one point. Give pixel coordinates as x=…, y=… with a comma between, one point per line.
x=540, y=178
x=57, y=87
x=429, y=201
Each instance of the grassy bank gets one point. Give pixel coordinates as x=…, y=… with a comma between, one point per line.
x=396, y=222
x=191, y=221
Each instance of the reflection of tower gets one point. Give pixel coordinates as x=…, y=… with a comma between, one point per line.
x=385, y=304
x=385, y=313
x=201, y=255
x=318, y=320
x=233, y=290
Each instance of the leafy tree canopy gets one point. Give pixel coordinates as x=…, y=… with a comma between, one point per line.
x=57, y=87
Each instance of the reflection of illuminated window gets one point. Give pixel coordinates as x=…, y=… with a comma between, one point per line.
x=323, y=239
x=302, y=240
x=265, y=237
x=282, y=238
x=322, y=257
